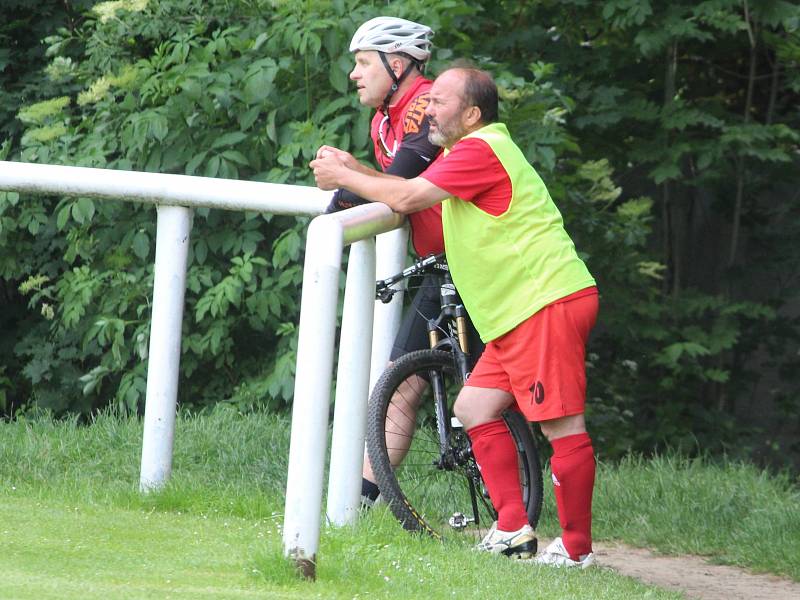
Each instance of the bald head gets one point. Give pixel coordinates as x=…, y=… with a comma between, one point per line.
x=477, y=88
x=462, y=100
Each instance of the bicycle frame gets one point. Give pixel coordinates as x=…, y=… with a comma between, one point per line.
x=449, y=453
x=452, y=312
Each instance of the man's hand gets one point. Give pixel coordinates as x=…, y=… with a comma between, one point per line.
x=324, y=151
x=328, y=167
x=345, y=157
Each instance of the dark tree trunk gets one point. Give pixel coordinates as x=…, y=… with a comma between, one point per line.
x=741, y=167
x=672, y=280
x=723, y=401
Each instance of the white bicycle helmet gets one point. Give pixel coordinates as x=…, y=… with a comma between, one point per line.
x=394, y=35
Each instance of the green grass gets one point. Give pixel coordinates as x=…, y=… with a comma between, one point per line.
x=73, y=524
x=56, y=550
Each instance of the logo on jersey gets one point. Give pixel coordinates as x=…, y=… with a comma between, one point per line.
x=416, y=114
x=537, y=391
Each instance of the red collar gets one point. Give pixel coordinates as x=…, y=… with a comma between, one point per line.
x=411, y=92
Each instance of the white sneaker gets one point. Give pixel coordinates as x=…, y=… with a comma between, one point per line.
x=521, y=543
x=556, y=555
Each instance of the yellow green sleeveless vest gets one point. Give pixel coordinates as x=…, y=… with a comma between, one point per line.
x=508, y=267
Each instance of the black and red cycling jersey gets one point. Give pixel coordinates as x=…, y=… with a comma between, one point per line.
x=401, y=147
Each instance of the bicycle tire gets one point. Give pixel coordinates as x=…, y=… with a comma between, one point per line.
x=420, y=494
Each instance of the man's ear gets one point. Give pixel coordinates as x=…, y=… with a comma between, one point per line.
x=472, y=116
x=397, y=65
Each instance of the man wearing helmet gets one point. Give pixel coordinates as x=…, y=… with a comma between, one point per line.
x=390, y=57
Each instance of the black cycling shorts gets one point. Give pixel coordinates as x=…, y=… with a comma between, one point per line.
x=413, y=333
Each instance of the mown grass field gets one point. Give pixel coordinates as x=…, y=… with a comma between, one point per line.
x=73, y=525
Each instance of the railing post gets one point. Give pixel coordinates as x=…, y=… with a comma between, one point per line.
x=390, y=259
x=327, y=236
x=312, y=386
x=174, y=225
x=352, y=386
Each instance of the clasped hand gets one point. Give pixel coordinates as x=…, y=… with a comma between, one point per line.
x=328, y=166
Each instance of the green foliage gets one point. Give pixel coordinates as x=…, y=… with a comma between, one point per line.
x=217, y=94
x=690, y=106
x=241, y=90
x=666, y=132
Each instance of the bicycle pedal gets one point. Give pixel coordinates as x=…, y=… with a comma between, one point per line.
x=460, y=520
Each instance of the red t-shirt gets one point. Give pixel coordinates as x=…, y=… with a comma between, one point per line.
x=471, y=171
x=407, y=127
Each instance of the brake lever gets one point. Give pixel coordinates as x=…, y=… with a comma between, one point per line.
x=383, y=292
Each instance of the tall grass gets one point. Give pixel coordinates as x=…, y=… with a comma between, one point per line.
x=222, y=461
x=217, y=522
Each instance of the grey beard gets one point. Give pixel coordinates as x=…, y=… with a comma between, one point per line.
x=436, y=138
x=445, y=137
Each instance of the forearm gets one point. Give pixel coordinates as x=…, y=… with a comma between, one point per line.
x=401, y=195
x=367, y=170
x=377, y=187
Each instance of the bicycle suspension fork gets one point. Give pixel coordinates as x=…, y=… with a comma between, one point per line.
x=453, y=312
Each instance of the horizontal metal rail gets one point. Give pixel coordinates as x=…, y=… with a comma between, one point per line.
x=162, y=188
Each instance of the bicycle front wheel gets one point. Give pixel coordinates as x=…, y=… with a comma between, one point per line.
x=422, y=461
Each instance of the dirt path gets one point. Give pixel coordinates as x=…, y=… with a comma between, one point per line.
x=693, y=576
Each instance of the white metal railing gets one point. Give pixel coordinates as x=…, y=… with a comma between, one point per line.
x=347, y=444
x=175, y=196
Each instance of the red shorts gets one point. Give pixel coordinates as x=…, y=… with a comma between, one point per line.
x=542, y=360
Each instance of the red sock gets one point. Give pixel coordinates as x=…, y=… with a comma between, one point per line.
x=573, y=468
x=496, y=456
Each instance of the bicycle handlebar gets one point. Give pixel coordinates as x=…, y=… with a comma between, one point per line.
x=385, y=293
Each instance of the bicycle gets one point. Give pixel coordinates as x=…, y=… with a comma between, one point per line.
x=435, y=486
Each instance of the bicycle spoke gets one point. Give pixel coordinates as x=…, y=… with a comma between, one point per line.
x=424, y=485
x=424, y=466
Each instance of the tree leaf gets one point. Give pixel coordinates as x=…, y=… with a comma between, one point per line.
x=200, y=251
x=141, y=244
x=248, y=118
x=236, y=156
x=158, y=126
x=191, y=166
x=86, y=208
x=63, y=216
x=229, y=139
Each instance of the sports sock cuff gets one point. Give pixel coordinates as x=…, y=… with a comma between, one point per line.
x=498, y=426
x=571, y=443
